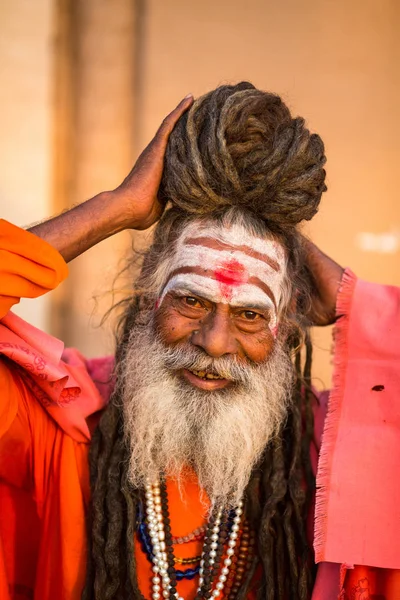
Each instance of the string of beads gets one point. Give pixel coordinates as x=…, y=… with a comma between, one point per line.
x=195, y=535
x=221, y=529
x=147, y=548
x=242, y=562
x=187, y=561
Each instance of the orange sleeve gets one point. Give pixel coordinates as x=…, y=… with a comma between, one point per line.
x=15, y=430
x=9, y=402
x=29, y=266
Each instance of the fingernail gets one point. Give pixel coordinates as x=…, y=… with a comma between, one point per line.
x=188, y=96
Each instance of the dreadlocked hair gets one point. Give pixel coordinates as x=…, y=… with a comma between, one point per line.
x=237, y=156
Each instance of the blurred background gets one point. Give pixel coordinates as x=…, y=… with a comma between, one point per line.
x=85, y=84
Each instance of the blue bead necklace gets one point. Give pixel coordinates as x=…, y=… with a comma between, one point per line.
x=144, y=538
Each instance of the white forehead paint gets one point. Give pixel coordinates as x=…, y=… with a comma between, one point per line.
x=240, y=295
x=238, y=269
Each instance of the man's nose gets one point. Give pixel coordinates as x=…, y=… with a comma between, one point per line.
x=215, y=336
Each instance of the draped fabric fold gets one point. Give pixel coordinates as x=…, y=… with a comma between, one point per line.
x=358, y=491
x=60, y=381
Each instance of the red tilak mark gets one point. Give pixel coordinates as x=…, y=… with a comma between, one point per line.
x=231, y=272
x=228, y=274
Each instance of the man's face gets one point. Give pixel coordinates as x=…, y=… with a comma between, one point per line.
x=222, y=297
x=206, y=378
x=218, y=329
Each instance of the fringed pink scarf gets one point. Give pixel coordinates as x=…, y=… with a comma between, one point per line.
x=358, y=488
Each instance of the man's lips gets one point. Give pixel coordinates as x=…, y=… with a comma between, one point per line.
x=203, y=383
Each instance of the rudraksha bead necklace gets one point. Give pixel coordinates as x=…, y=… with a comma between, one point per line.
x=195, y=535
x=164, y=581
x=243, y=562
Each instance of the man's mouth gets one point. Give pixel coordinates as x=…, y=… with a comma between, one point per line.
x=205, y=375
x=205, y=380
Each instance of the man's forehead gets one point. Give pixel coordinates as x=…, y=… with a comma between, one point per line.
x=228, y=265
x=233, y=238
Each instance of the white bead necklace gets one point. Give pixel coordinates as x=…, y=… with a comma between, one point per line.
x=161, y=580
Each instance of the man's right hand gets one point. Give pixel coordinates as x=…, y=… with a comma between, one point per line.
x=132, y=205
x=138, y=192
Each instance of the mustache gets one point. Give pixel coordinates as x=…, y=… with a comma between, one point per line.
x=194, y=359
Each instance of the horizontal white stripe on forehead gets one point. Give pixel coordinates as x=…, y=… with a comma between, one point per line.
x=235, y=235
x=245, y=295
x=210, y=258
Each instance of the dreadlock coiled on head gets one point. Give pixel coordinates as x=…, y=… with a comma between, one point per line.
x=238, y=146
x=237, y=155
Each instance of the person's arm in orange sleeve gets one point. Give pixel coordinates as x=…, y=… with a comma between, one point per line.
x=29, y=267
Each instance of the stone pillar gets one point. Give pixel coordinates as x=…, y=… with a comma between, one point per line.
x=94, y=113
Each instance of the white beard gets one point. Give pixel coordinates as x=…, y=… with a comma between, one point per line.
x=171, y=427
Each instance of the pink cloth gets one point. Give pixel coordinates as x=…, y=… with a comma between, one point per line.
x=68, y=386
x=358, y=488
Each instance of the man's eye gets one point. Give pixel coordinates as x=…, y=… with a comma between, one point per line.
x=250, y=315
x=191, y=301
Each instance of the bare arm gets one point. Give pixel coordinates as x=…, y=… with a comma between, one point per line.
x=84, y=226
x=132, y=205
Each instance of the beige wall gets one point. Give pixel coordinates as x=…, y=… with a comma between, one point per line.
x=25, y=121
x=334, y=62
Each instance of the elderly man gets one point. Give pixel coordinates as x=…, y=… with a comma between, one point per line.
x=198, y=481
